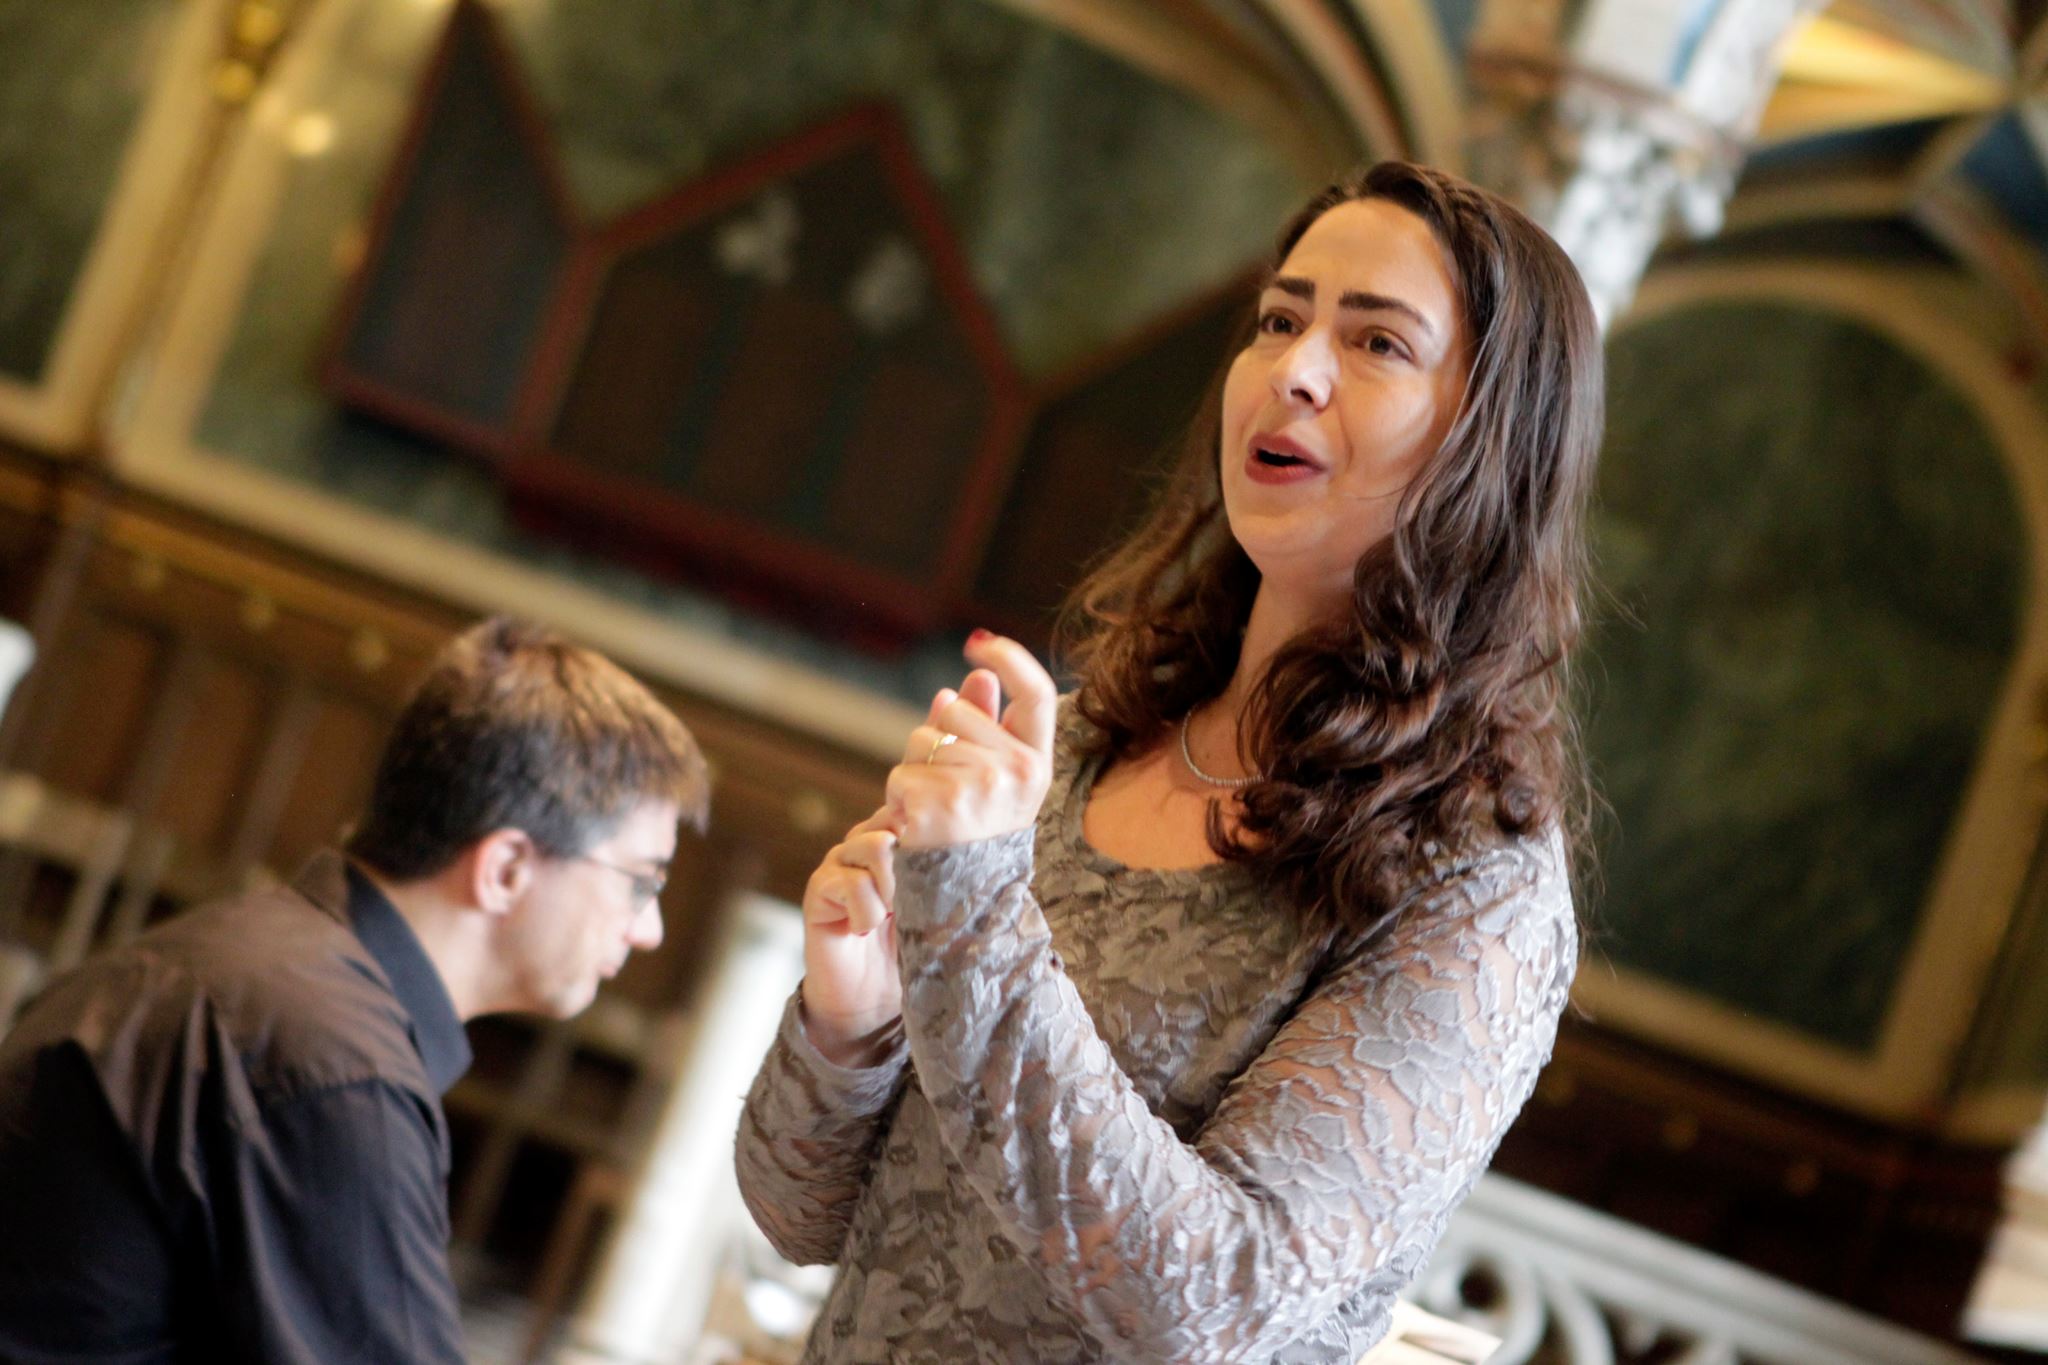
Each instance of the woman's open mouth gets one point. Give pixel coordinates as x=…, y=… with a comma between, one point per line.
x=1279, y=461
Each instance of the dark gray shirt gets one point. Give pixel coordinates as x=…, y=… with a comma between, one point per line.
x=224, y=1141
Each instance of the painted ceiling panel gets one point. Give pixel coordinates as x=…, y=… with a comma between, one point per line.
x=1839, y=74
x=2005, y=165
x=1978, y=33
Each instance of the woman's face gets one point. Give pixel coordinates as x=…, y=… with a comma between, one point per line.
x=1349, y=385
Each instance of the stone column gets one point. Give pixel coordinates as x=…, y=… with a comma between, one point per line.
x=2009, y=1303
x=1609, y=121
x=656, y=1268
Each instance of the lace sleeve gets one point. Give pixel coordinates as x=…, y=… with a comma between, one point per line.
x=1332, y=1161
x=807, y=1136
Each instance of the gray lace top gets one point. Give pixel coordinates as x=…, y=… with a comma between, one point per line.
x=1140, y=1115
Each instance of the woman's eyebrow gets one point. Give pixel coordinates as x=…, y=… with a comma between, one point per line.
x=1359, y=300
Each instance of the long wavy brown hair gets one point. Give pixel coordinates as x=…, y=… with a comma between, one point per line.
x=1435, y=714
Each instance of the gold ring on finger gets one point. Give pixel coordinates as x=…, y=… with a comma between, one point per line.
x=945, y=738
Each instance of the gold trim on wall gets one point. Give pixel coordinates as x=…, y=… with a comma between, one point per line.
x=1226, y=76
x=264, y=579
x=1997, y=1116
x=1957, y=214
x=1983, y=867
x=1819, y=199
x=1327, y=47
x=1429, y=83
x=152, y=192
x=1931, y=194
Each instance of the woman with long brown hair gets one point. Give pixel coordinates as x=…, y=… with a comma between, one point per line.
x=1171, y=1020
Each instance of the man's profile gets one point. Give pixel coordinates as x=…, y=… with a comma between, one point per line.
x=224, y=1141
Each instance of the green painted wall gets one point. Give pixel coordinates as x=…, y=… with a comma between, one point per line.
x=1818, y=568
x=73, y=77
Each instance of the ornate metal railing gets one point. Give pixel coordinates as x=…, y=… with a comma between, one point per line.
x=1560, y=1284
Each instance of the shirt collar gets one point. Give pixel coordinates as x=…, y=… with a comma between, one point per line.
x=436, y=1028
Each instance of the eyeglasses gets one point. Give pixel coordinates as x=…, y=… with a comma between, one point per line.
x=647, y=886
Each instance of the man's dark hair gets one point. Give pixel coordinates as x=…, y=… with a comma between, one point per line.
x=514, y=727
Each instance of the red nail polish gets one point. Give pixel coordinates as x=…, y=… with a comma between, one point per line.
x=977, y=635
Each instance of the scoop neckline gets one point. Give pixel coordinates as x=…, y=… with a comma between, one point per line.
x=1219, y=873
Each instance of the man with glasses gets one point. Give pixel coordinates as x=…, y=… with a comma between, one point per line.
x=225, y=1141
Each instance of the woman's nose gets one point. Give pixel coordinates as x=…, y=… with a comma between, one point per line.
x=1305, y=373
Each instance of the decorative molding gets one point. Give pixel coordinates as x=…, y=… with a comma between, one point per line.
x=1995, y=1115
x=1369, y=109
x=181, y=124
x=1423, y=70
x=1956, y=215
x=1817, y=199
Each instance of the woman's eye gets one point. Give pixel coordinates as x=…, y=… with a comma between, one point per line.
x=1277, y=323
x=1379, y=343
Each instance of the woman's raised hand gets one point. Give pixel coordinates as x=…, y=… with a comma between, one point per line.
x=986, y=777
x=966, y=775
x=851, y=987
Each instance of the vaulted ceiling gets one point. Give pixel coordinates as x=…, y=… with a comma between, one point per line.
x=1935, y=111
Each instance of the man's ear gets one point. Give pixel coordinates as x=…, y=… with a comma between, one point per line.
x=501, y=868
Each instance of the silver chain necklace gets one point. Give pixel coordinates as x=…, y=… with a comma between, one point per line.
x=1189, y=759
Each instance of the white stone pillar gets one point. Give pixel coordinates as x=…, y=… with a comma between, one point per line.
x=2009, y=1302
x=647, y=1302
x=1609, y=121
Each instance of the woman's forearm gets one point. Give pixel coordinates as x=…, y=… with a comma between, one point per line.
x=809, y=1133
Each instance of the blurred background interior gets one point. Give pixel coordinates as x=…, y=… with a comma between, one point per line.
x=770, y=344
